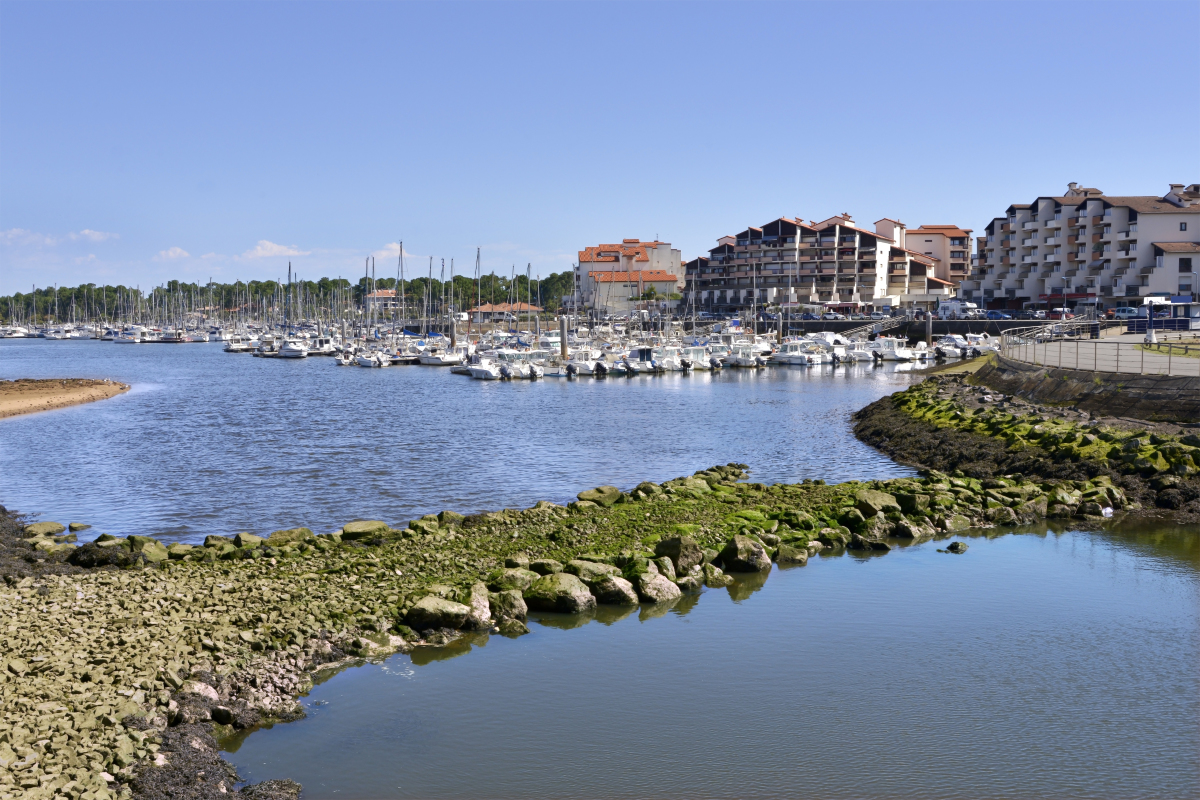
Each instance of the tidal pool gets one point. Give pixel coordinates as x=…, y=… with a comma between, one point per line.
x=1048, y=664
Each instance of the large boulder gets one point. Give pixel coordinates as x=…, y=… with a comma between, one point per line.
x=743, y=554
x=151, y=549
x=515, y=578
x=714, y=578
x=248, y=540
x=546, y=566
x=613, y=590
x=560, y=591
x=476, y=598
x=665, y=567
x=601, y=495
x=212, y=540
x=683, y=551
x=289, y=536
x=363, y=529
x=653, y=588
x=97, y=555
x=432, y=611
x=508, y=604
x=589, y=571
x=870, y=502
x=789, y=554
x=44, y=529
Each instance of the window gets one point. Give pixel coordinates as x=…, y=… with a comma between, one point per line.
x=1183, y=226
x=1185, y=265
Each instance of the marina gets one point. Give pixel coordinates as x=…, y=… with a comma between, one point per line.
x=249, y=436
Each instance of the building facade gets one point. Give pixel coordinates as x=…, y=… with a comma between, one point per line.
x=631, y=256
x=1085, y=248
x=833, y=263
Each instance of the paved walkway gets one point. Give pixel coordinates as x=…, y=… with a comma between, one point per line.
x=1111, y=354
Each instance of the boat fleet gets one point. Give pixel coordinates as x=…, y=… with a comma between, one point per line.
x=507, y=355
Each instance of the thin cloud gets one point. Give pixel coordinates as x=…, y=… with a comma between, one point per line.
x=266, y=249
x=21, y=236
x=94, y=236
x=172, y=253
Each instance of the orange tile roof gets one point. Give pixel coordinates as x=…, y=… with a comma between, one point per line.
x=611, y=252
x=383, y=293
x=645, y=276
x=945, y=230
x=489, y=307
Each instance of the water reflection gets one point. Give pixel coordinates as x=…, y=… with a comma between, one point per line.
x=1007, y=657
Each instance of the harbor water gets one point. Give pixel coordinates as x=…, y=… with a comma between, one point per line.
x=1040, y=665
x=1053, y=663
x=211, y=442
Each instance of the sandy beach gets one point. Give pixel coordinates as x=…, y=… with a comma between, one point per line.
x=25, y=396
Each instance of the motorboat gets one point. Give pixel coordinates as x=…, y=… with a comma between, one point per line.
x=293, y=348
x=373, y=359
x=744, y=356
x=344, y=359
x=485, y=370
x=669, y=358
x=237, y=343
x=890, y=348
x=444, y=356
x=793, y=354
x=694, y=357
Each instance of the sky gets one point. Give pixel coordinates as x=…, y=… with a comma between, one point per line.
x=144, y=142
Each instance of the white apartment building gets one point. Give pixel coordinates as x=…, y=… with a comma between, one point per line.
x=595, y=274
x=833, y=263
x=1086, y=248
x=949, y=244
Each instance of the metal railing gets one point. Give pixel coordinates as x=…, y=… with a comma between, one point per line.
x=1069, y=346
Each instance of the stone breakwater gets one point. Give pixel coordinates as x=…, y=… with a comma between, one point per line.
x=124, y=656
x=949, y=423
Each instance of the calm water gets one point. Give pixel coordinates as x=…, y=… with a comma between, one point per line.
x=1033, y=666
x=209, y=442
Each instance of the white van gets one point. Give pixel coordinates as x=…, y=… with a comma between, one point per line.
x=957, y=309
x=1124, y=313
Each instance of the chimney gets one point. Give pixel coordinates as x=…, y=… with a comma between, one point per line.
x=1175, y=196
x=1071, y=188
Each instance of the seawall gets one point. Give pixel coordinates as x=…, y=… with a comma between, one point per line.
x=1148, y=397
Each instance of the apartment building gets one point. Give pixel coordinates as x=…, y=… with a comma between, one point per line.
x=1085, y=248
x=833, y=263
x=949, y=244
x=605, y=268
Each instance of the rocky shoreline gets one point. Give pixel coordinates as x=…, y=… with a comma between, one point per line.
x=953, y=423
x=126, y=656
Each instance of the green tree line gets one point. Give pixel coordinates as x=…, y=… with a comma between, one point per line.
x=92, y=301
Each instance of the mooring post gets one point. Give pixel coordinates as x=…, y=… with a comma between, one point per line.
x=928, y=328
x=562, y=336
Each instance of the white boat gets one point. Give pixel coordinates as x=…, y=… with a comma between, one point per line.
x=237, y=343
x=744, y=356
x=889, y=348
x=373, y=359
x=444, y=357
x=858, y=351
x=344, y=359
x=135, y=334
x=321, y=346
x=293, y=348
x=695, y=357
x=669, y=358
x=793, y=354
x=485, y=370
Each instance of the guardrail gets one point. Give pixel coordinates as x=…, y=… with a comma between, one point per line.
x=1178, y=358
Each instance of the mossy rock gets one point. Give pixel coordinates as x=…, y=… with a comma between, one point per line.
x=44, y=529
x=363, y=529
x=289, y=536
x=605, y=496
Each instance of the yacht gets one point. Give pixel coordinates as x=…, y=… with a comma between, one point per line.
x=889, y=348
x=237, y=343
x=293, y=348
x=695, y=357
x=485, y=370
x=373, y=359
x=744, y=355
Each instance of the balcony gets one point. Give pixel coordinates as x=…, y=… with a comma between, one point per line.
x=1028, y=226
x=1129, y=234
x=1053, y=240
x=1029, y=242
x=1006, y=228
x=1051, y=257
x=1054, y=223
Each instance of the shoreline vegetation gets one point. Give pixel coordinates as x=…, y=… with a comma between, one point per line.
x=126, y=657
x=26, y=396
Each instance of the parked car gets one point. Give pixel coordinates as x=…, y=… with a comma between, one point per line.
x=994, y=314
x=1060, y=313
x=877, y=315
x=1026, y=314
x=767, y=316
x=1124, y=312
x=858, y=315
x=832, y=315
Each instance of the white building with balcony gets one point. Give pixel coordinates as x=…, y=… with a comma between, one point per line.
x=1085, y=248
x=833, y=263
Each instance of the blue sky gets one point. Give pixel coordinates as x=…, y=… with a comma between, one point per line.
x=146, y=141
